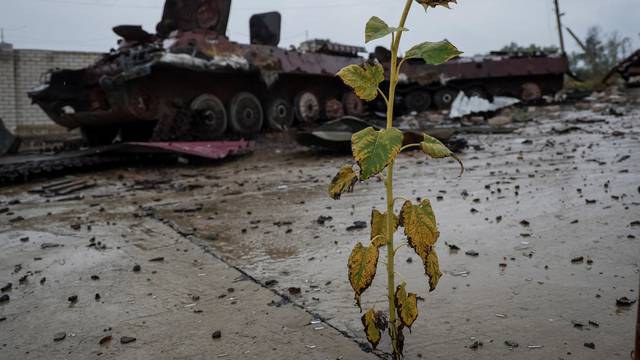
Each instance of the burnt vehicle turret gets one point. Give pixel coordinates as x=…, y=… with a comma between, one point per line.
x=527, y=76
x=188, y=81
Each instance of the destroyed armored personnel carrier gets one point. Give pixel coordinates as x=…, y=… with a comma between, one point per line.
x=190, y=82
x=526, y=76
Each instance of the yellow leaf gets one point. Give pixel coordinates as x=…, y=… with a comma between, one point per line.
x=419, y=223
x=374, y=150
x=342, y=182
x=420, y=227
x=371, y=327
x=363, y=79
x=379, y=227
x=406, y=305
x=363, y=263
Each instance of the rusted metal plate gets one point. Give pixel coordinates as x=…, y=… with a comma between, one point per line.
x=205, y=149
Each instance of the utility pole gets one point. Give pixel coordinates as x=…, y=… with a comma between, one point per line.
x=559, y=20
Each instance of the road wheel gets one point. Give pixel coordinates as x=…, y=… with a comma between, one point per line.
x=531, y=92
x=279, y=114
x=418, y=101
x=477, y=91
x=443, y=98
x=210, y=117
x=306, y=107
x=245, y=114
x=352, y=104
x=333, y=109
x=99, y=135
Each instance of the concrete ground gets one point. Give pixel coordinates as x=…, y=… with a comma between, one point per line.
x=244, y=253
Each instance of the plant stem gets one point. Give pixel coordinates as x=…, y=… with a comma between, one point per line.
x=391, y=285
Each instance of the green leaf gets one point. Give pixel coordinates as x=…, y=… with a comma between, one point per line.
x=370, y=322
x=342, y=182
x=364, y=79
x=434, y=3
x=406, y=305
x=374, y=150
x=362, y=264
x=376, y=29
x=437, y=150
x=420, y=227
x=379, y=227
x=433, y=53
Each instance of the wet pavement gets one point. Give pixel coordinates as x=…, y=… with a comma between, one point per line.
x=531, y=204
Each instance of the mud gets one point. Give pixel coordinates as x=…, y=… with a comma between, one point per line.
x=563, y=186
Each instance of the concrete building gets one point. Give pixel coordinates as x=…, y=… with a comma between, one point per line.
x=20, y=71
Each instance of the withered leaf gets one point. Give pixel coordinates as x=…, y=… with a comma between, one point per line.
x=370, y=323
x=342, y=182
x=406, y=305
x=434, y=3
x=432, y=268
x=379, y=227
x=362, y=264
x=419, y=224
x=420, y=227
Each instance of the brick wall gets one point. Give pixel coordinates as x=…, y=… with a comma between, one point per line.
x=20, y=71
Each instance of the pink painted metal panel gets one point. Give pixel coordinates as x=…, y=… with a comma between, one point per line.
x=206, y=149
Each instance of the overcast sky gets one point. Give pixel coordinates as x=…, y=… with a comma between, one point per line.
x=475, y=26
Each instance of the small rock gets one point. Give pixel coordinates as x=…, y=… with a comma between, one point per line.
x=157, y=259
x=357, y=225
x=4, y=298
x=577, y=260
x=49, y=246
x=6, y=287
x=590, y=345
x=216, y=334
x=270, y=283
x=97, y=297
x=127, y=340
x=73, y=299
x=95, y=277
x=511, y=344
x=4, y=318
x=294, y=290
x=59, y=336
x=476, y=345
x=137, y=268
x=323, y=219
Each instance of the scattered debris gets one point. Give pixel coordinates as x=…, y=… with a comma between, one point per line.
x=127, y=340
x=625, y=302
x=357, y=225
